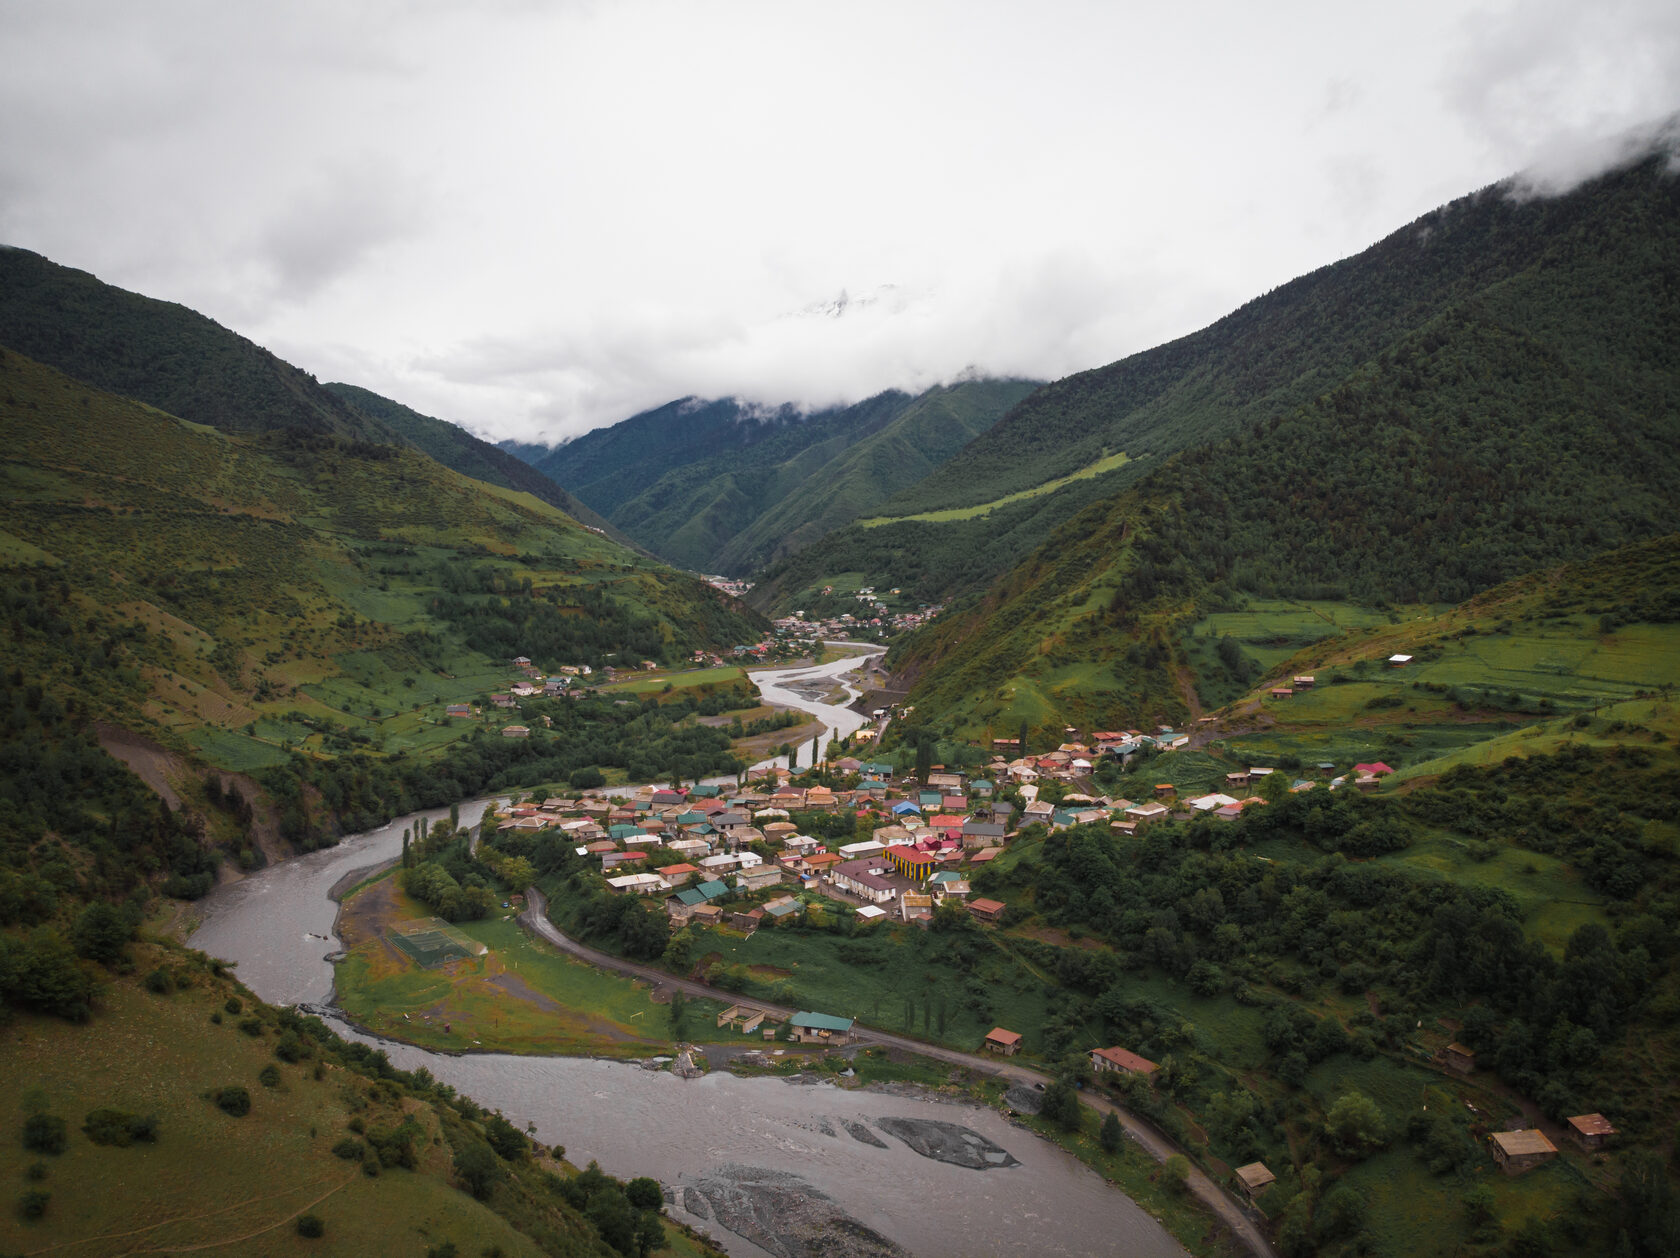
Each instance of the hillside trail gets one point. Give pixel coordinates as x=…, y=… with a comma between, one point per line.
x=1157, y=1144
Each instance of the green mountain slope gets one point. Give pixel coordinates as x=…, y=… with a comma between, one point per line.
x=457, y=449
x=177, y=360
x=246, y=595
x=1535, y=420
x=718, y=486
x=161, y=353
x=1259, y=364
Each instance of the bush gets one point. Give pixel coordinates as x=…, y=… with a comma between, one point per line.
x=33, y=1204
x=251, y=1026
x=1110, y=1134
x=309, y=1225
x=350, y=1150
x=269, y=1076
x=644, y=1193
x=36, y=1171
x=291, y=1047
x=1175, y=1172
x=234, y=1005
x=119, y=1127
x=159, y=983
x=234, y=1100
x=45, y=1133
x=478, y=1169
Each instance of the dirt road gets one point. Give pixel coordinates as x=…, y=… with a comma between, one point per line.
x=1157, y=1145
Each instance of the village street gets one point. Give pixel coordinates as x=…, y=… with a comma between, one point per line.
x=535, y=919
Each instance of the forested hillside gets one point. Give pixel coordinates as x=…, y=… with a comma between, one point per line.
x=237, y=598
x=1534, y=421
x=717, y=486
x=1540, y=270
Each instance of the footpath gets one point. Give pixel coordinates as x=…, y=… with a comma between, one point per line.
x=1158, y=1145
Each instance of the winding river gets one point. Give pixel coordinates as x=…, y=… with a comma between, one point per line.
x=816, y=1145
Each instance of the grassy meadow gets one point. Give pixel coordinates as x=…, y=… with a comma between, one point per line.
x=212, y=1181
x=521, y=997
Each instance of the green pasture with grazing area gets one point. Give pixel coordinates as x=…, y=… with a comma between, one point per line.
x=521, y=996
x=1108, y=463
x=678, y=682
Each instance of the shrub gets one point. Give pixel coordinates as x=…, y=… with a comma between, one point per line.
x=478, y=1169
x=159, y=983
x=33, y=1204
x=309, y=1225
x=233, y=1100
x=234, y=1005
x=350, y=1150
x=45, y=1133
x=216, y=1017
x=36, y=1171
x=291, y=1047
x=119, y=1127
x=1175, y=1172
x=269, y=1076
x=644, y=1193
x=251, y=1026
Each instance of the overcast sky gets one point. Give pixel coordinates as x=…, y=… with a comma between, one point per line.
x=536, y=218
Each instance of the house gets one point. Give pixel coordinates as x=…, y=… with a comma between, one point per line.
x=1591, y=1131
x=758, y=878
x=1145, y=813
x=516, y=731
x=1007, y=1043
x=1376, y=770
x=1304, y=681
x=1238, y=778
x=504, y=701
x=1517, y=1151
x=638, y=884
x=952, y=782
x=678, y=874
x=1399, y=661
x=713, y=890
x=1255, y=1179
x=612, y=860
x=782, y=906
x=820, y=1028
x=458, y=709
x=857, y=851
x=987, y=910
x=914, y=907
x=981, y=789
x=985, y=855
x=1210, y=803
x=1459, y=1058
x=1165, y=790
x=866, y=879
x=983, y=834
x=748, y=920
x=1119, y=1061
x=1281, y=692
x=911, y=862
x=871, y=913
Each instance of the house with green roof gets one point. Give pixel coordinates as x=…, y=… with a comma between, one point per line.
x=820, y=1028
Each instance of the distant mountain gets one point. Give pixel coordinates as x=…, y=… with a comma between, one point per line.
x=456, y=448
x=721, y=486
x=1258, y=365
x=1519, y=406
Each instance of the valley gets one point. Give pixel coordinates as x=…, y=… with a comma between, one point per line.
x=1225, y=799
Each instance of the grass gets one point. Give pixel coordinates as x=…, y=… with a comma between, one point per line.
x=707, y=678
x=522, y=997
x=1107, y=463
x=212, y=1181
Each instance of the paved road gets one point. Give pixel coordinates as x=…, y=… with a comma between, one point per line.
x=1157, y=1145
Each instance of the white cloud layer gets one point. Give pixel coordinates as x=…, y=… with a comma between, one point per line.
x=538, y=218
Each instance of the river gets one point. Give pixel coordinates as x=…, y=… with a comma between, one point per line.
x=699, y=1134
